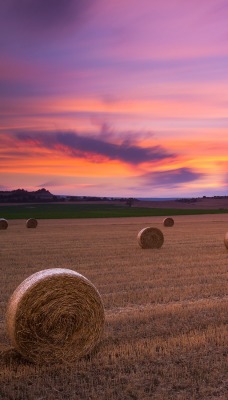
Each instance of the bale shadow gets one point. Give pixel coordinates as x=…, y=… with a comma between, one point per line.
x=10, y=357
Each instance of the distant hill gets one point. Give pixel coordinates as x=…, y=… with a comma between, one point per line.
x=23, y=196
x=44, y=196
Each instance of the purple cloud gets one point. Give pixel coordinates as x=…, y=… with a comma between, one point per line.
x=171, y=178
x=52, y=183
x=95, y=148
x=37, y=15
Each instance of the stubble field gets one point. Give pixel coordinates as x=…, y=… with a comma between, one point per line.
x=165, y=333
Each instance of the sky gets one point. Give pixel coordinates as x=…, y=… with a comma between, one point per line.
x=119, y=98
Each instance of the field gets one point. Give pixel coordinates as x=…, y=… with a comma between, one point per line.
x=106, y=210
x=165, y=334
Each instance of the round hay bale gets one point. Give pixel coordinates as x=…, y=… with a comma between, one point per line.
x=31, y=223
x=226, y=240
x=55, y=315
x=150, y=238
x=3, y=223
x=168, y=222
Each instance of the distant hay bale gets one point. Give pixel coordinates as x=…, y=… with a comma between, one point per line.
x=168, y=222
x=150, y=238
x=226, y=240
x=55, y=315
x=3, y=223
x=31, y=223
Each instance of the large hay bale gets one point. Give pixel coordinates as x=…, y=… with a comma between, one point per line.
x=226, y=240
x=150, y=238
x=31, y=223
x=3, y=223
x=168, y=222
x=55, y=315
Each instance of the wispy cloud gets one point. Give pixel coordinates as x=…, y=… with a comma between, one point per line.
x=170, y=178
x=38, y=16
x=94, y=149
x=52, y=183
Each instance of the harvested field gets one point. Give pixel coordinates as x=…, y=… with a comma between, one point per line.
x=165, y=333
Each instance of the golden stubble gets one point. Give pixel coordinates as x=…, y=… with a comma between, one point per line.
x=166, y=316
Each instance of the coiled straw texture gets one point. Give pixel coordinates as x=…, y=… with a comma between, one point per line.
x=226, y=240
x=3, y=223
x=150, y=238
x=168, y=222
x=31, y=223
x=55, y=315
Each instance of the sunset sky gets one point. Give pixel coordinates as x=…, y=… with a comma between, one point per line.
x=114, y=97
